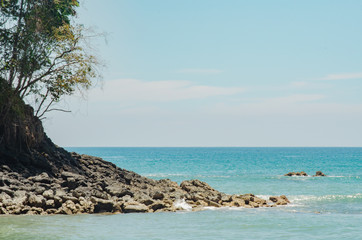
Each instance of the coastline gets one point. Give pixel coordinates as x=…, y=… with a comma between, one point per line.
x=101, y=187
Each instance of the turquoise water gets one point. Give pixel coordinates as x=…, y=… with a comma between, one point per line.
x=321, y=208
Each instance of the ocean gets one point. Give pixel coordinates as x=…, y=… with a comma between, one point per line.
x=321, y=207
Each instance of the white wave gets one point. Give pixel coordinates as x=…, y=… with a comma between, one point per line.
x=181, y=203
x=303, y=198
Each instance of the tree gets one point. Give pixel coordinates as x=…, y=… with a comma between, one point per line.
x=42, y=54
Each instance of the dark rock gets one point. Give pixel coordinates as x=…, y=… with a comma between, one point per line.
x=118, y=190
x=319, y=174
x=101, y=205
x=158, y=205
x=158, y=195
x=302, y=173
x=281, y=200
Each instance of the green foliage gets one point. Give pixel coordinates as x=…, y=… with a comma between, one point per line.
x=42, y=53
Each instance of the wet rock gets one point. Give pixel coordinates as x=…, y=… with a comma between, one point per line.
x=281, y=200
x=319, y=174
x=302, y=173
x=158, y=205
x=102, y=205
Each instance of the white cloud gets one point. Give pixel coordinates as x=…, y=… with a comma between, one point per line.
x=200, y=71
x=343, y=76
x=133, y=90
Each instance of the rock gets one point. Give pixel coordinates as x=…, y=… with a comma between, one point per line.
x=7, y=190
x=68, y=208
x=158, y=205
x=225, y=198
x=82, y=192
x=51, y=211
x=48, y=194
x=71, y=183
x=42, y=178
x=319, y=174
x=158, y=195
x=102, y=205
x=38, y=190
x=118, y=190
x=302, y=173
x=60, y=192
x=36, y=201
x=281, y=200
x=50, y=203
x=65, y=175
x=132, y=207
x=20, y=198
x=199, y=190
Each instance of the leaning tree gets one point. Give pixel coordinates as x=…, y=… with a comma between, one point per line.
x=42, y=58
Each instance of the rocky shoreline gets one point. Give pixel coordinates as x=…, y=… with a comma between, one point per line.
x=101, y=187
x=38, y=177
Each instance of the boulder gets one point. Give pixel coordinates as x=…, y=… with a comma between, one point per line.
x=319, y=174
x=281, y=200
x=48, y=194
x=158, y=195
x=199, y=190
x=132, y=207
x=118, y=190
x=36, y=201
x=158, y=205
x=102, y=205
x=41, y=178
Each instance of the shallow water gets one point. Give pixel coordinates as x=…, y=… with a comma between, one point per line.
x=323, y=207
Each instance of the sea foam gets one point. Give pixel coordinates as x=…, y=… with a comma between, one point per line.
x=181, y=203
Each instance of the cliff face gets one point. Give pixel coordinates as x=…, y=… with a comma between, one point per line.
x=24, y=146
x=22, y=132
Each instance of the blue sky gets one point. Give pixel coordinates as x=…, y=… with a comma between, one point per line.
x=220, y=73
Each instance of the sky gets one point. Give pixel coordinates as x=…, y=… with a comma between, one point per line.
x=212, y=73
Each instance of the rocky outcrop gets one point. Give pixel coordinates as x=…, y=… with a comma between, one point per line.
x=319, y=174
x=302, y=173
x=104, y=188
